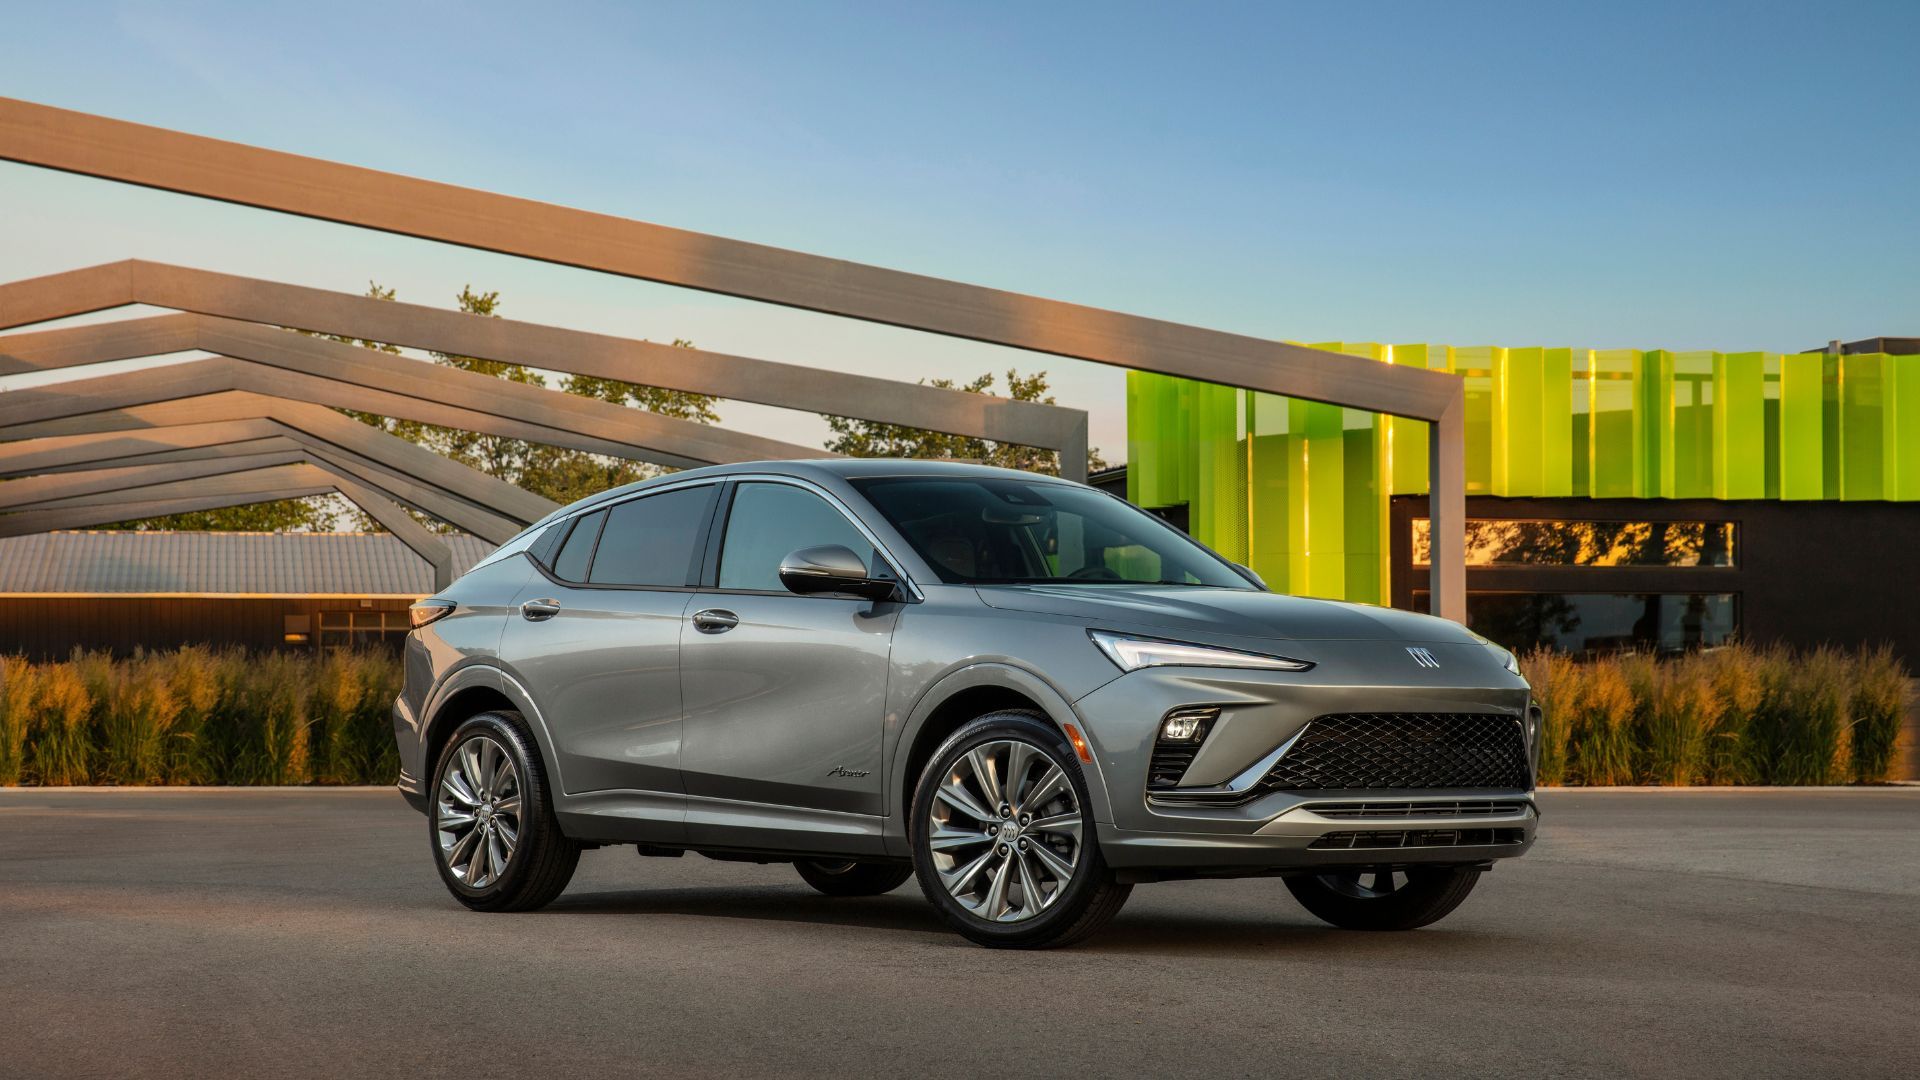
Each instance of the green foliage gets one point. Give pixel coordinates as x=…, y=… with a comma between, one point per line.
x=869, y=438
x=1878, y=709
x=199, y=716
x=1735, y=715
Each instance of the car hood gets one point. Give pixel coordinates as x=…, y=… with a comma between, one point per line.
x=1233, y=612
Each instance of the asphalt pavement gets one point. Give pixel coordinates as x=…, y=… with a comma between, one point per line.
x=304, y=933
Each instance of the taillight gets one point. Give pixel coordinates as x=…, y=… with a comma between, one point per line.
x=427, y=611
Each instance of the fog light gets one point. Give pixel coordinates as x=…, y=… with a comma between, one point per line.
x=1188, y=724
x=1181, y=728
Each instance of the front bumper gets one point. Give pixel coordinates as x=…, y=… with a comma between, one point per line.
x=1278, y=830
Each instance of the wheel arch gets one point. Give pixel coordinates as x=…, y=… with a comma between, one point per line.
x=469, y=691
x=967, y=693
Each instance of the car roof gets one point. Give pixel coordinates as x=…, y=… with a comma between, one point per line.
x=813, y=468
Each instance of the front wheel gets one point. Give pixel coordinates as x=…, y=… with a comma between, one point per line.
x=1383, y=897
x=1003, y=836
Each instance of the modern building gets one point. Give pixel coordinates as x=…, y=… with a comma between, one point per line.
x=1616, y=497
x=120, y=591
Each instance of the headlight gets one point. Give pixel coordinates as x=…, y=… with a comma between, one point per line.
x=1134, y=653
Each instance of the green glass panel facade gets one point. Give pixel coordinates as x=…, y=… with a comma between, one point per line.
x=1301, y=490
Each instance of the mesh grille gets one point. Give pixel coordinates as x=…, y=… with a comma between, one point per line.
x=1353, y=751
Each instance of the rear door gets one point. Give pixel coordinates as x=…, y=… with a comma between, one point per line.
x=596, y=640
x=785, y=695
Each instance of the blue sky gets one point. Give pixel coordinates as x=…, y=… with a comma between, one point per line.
x=1617, y=174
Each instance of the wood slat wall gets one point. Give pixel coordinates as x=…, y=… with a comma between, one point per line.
x=49, y=628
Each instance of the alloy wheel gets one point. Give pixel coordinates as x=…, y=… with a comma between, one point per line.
x=1004, y=831
x=477, y=812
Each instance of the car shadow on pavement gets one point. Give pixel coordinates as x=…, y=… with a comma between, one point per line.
x=1140, y=932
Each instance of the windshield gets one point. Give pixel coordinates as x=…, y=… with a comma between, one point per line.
x=992, y=531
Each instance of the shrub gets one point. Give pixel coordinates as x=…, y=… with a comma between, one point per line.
x=1603, y=726
x=193, y=750
x=137, y=711
x=1739, y=678
x=269, y=709
x=1878, y=708
x=1556, y=682
x=1682, y=711
x=19, y=687
x=63, y=729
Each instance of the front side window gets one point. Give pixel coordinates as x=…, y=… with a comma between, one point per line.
x=651, y=540
x=769, y=521
x=992, y=531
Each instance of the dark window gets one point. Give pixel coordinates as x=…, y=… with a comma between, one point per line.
x=768, y=521
x=362, y=629
x=1015, y=532
x=651, y=540
x=543, y=547
x=1600, y=622
x=1517, y=542
x=571, y=564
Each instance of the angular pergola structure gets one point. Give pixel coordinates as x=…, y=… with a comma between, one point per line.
x=273, y=180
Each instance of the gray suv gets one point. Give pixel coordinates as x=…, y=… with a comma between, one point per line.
x=1025, y=692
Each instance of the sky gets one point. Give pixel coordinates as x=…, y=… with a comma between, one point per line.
x=1602, y=175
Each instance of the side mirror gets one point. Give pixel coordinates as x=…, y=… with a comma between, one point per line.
x=1247, y=572
x=832, y=569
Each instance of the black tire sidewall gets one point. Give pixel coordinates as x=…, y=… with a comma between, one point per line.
x=1090, y=873
x=536, y=826
x=1431, y=893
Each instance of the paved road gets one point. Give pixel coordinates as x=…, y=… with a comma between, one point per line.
x=304, y=933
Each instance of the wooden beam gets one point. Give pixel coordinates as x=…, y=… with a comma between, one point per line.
x=738, y=378
x=250, y=176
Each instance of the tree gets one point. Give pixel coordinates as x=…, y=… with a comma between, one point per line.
x=870, y=438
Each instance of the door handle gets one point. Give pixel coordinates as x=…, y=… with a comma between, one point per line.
x=715, y=621
x=539, y=610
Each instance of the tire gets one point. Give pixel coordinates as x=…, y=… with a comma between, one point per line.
x=1064, y=907
x=1345, y=899
x=853, y=878
x=538, y=861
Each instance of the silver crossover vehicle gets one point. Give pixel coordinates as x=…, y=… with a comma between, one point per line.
x=1024, y=692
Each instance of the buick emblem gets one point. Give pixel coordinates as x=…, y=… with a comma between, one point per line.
x=1422, y=657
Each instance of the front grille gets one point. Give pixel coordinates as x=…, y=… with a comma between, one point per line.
x=1408, y=838
x=1453, y=808
x=1355, y=751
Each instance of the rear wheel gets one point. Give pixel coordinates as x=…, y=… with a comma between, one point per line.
x=853, y=878
x=495, y=840
x=1384, y=897
x=1003, y=836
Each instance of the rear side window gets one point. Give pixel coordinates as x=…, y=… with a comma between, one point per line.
x=571, y=563
x=652, y=540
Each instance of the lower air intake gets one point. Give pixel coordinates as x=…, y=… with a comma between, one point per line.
x=1413, y=838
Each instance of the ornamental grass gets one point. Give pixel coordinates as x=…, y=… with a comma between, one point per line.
x=1734, y=715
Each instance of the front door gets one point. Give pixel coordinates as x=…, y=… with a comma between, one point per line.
x=784, y=695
